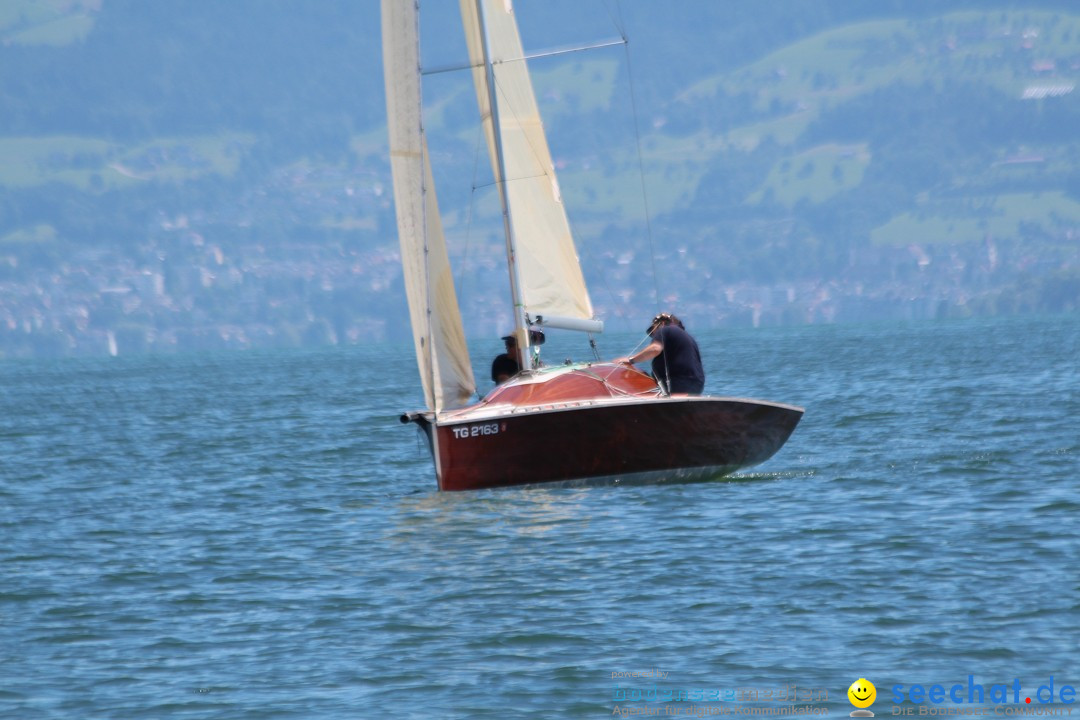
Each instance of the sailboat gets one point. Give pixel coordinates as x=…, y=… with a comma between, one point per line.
x=578, y=423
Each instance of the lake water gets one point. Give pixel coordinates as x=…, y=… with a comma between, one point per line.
x=255, y=535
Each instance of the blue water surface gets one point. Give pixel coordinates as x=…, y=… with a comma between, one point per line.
x=255, y=535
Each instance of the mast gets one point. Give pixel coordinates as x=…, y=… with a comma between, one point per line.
x=520, y=321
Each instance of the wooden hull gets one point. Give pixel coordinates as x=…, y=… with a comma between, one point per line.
x=638, y=435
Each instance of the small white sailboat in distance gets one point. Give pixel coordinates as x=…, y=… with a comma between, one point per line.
x=594, y=422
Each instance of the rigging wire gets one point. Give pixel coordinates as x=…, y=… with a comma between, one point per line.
x=641, y=160
x=433, y=393
x=617, y=20
x=595, y=349
x=585, y=250
x=472, y=196
x=536, y=154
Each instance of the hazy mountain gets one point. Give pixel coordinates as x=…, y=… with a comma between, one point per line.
x=215, y=174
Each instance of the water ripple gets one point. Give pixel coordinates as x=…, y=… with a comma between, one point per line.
x=255, y=535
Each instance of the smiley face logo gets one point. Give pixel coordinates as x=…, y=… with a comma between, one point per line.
x=862, y=693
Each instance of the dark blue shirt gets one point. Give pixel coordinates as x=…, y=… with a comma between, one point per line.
x=503, y=365
x=678, y=365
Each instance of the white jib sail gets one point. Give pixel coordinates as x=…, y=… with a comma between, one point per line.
x=549, y=273
x=441, y=352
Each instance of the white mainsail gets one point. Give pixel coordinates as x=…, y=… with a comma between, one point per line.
x=441, y=352
x=549, y=274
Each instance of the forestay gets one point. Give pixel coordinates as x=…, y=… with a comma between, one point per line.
x=441, y=352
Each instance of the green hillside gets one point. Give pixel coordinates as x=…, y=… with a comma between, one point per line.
x=46, y=22
x=183, y=172
x=1002, y=54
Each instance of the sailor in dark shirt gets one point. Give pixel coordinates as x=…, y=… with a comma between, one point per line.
x=505, y=366
x=676, y=359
